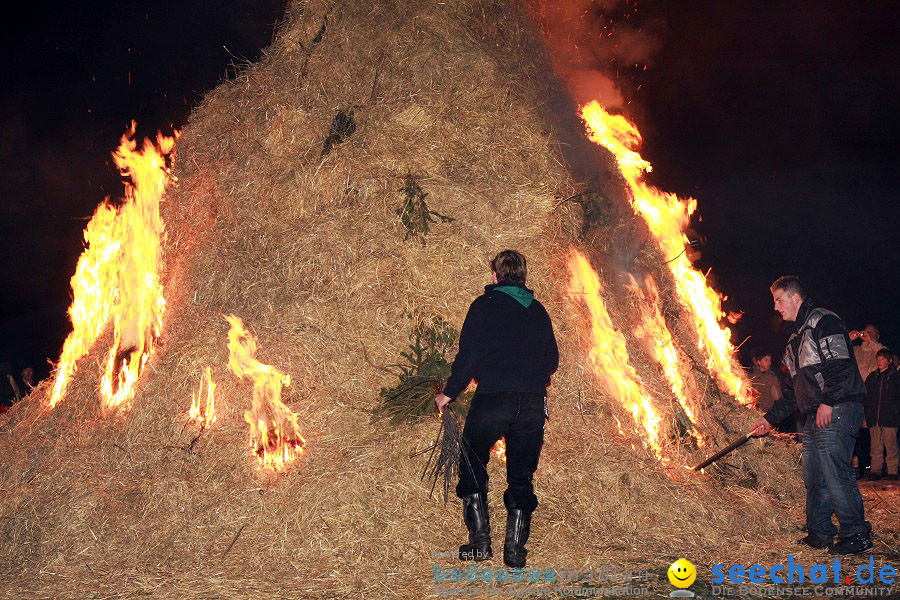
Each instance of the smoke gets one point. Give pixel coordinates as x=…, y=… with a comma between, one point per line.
x=595, y=45
x=594, y=49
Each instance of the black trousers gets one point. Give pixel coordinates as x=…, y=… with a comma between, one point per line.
x=518, y=417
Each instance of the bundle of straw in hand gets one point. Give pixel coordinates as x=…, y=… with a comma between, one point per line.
x=443, y=461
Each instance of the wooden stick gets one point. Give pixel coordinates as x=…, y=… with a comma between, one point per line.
x=727, y=450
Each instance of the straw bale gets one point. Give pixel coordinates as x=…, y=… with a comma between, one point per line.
x=309, y=252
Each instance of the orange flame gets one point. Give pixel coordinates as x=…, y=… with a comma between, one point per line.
x=204, y=414
x=499, y=449
x=274, y=432
x=668, y=216
x=657, y=340
x=609, y=355
x=117, y=276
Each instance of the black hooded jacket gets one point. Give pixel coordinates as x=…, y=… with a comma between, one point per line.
x=506, y=343
x=821, y=366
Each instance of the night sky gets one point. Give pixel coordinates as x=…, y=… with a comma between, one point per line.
x=781, y=118
x=76, y=74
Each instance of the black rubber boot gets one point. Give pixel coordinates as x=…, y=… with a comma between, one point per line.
x=475, y=515
x=518, y=527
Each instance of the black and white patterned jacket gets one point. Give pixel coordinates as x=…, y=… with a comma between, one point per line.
x=821, y=366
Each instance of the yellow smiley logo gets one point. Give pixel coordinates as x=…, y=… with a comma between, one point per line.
x=682, y=573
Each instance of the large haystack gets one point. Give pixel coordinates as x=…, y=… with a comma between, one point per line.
x=309, y=251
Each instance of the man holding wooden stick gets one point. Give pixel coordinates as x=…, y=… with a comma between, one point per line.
x=507, y=345
x=825, y=385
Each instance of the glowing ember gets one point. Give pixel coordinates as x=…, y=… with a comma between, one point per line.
x=658, y=343
x=117, y=276
x=204, y=413
x=499, y=449
x=274, y=433
x=609, y=355
x=668, y=216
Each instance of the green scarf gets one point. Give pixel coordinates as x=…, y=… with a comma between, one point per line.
x=522, y=296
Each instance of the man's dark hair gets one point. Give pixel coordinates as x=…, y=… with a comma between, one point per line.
x=509, y=265
x=885, y=353
x=790, y=284
x=759, y=353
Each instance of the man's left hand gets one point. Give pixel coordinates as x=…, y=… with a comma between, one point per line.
x=823, y=416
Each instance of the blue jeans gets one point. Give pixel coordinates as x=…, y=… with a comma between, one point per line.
x=829, y=478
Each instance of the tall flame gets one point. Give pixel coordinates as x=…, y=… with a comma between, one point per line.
x=657, y=341
x=274, y=432
x=203, y=413
x=668, y=216
x=117, y=276
x=609, y=354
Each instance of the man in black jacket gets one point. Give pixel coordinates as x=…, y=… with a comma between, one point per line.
x=507, y=345
x=824, y=384
x=883, y=413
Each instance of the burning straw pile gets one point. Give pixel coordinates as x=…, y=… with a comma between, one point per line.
x=309, y=249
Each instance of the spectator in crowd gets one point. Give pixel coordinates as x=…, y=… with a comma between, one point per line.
x=764, y=380
x=883, y=414
x=10, y=392
x=861, y=460
x=866, y=351
x=28, y=379
x=865, y=359
x=768, y=384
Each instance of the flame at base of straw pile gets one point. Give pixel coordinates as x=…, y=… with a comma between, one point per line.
x=609, y=355
x=274, y=432
x=117, y=276
x=204, y=413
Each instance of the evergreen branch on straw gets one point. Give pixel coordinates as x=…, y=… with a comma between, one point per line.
x=446, y=465
x=426, y=364
x=444, y=458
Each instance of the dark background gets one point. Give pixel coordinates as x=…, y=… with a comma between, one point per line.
x=75, y=75
x=781, y=118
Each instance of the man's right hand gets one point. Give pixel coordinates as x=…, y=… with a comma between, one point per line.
x=760, y=427
x=441, y=401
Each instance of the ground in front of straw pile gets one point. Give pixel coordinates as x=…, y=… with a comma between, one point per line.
x=352, y=518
